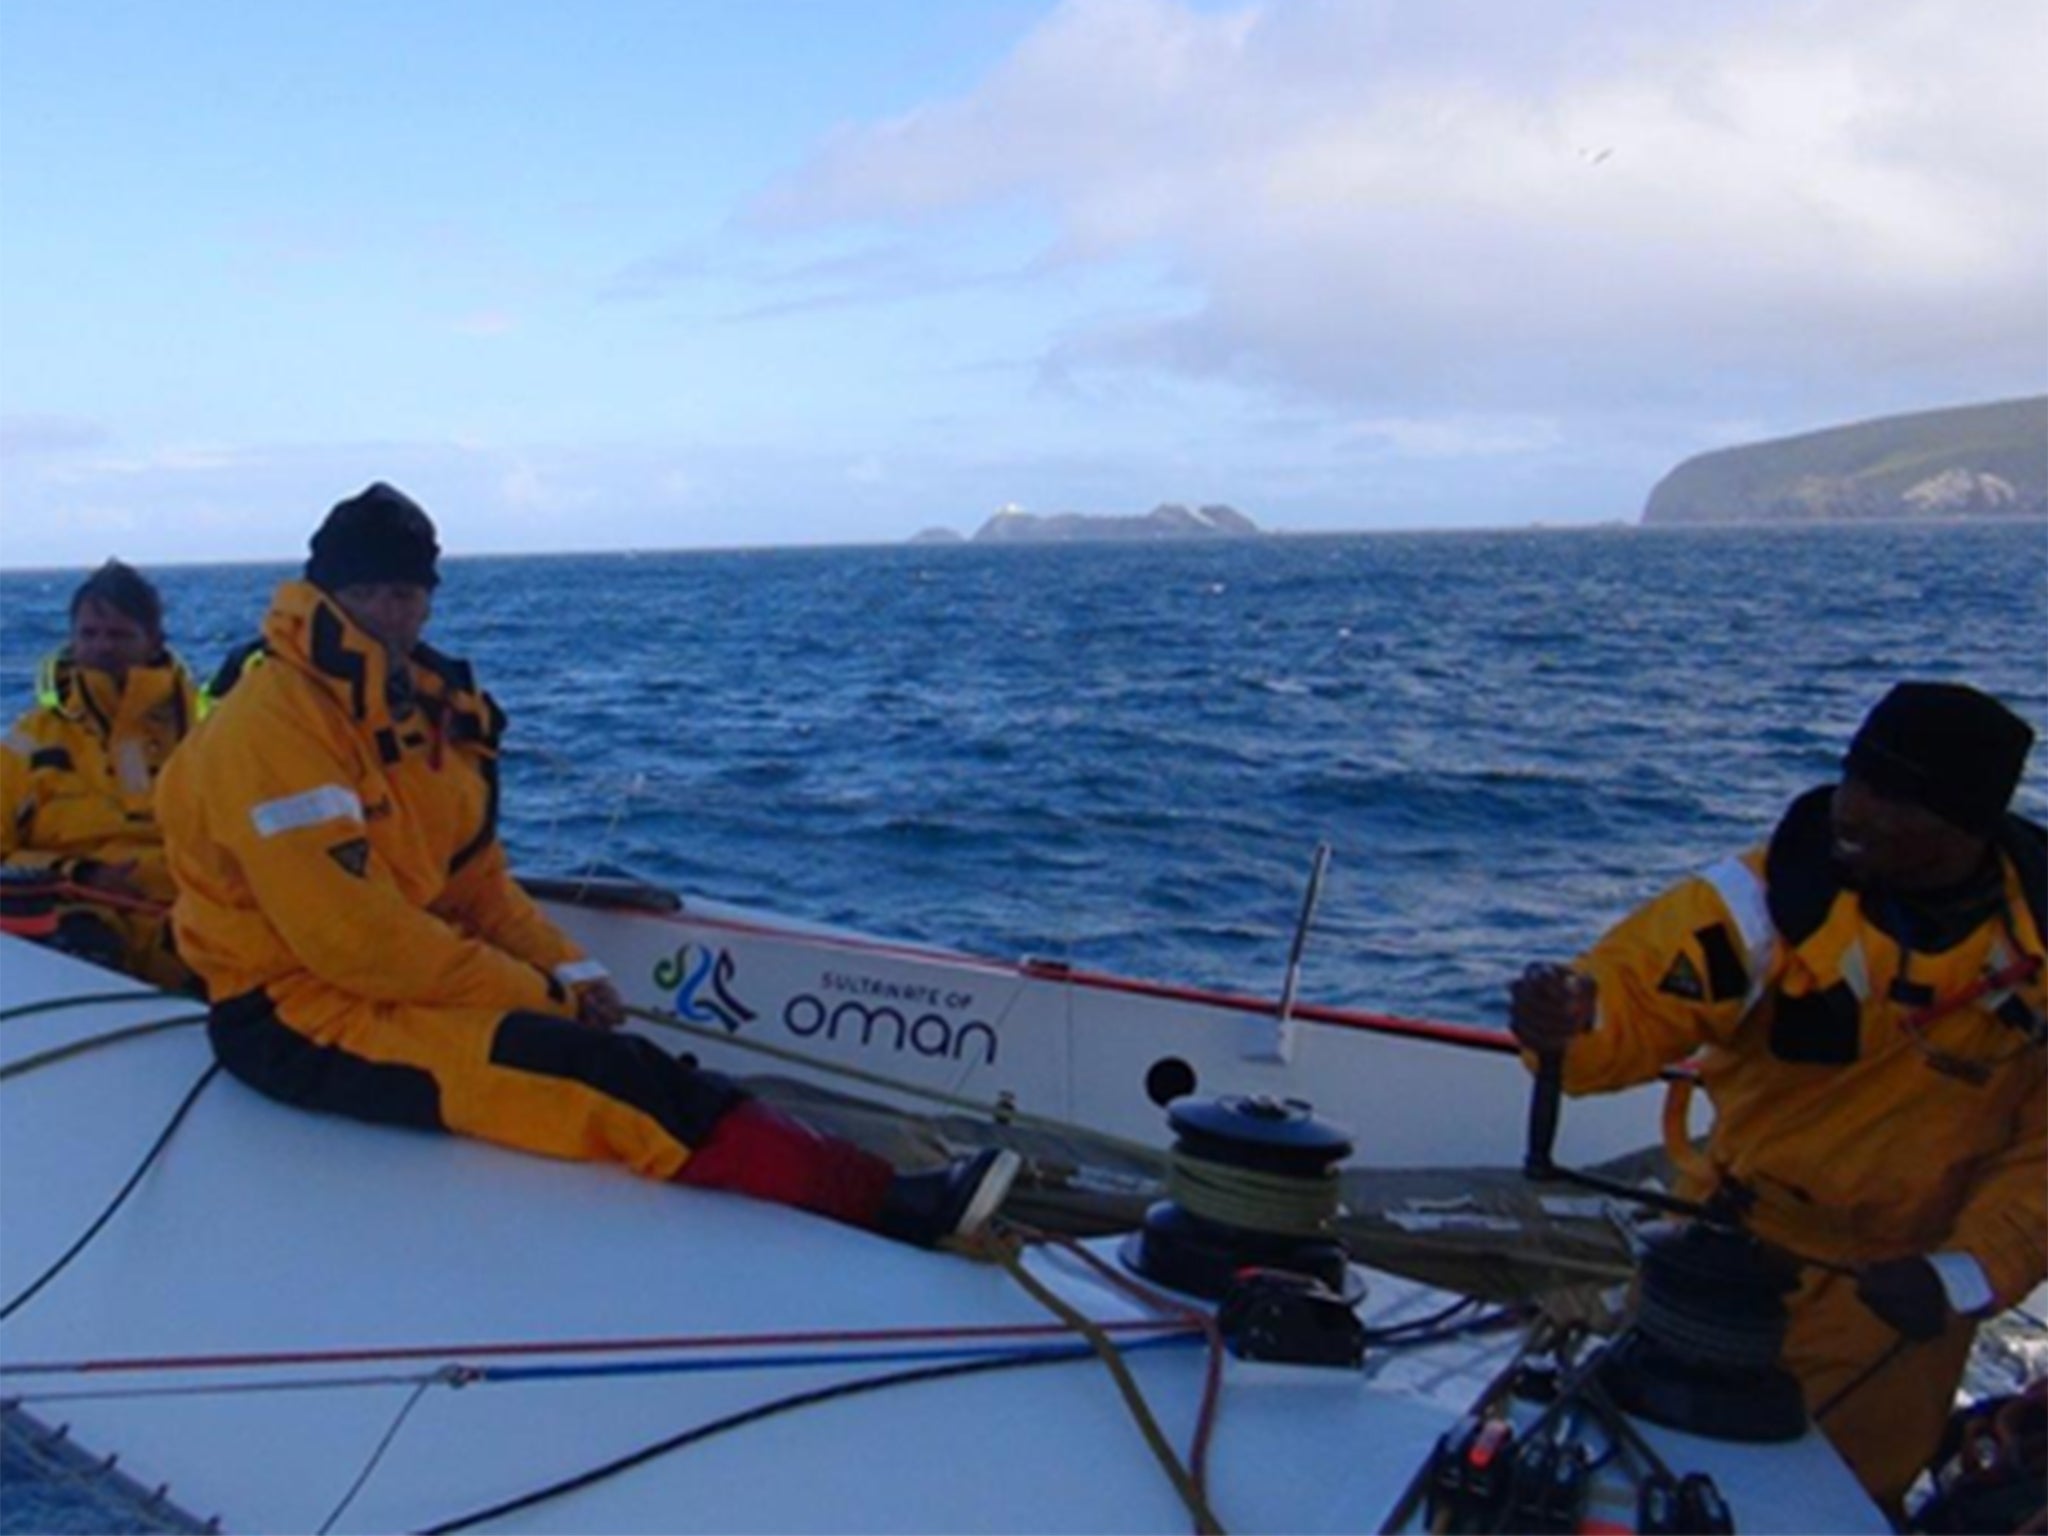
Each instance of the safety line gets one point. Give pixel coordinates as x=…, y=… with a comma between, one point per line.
x=256, y=1360
x=85, y=1239
x=459, y=1374
x=1001, y=1114
x=222, y=1388
x=377, y=1455
x=77, y=1000
x=517, y=1373
x=1166, y=1334
x=90, y=1043
x=701, y=1432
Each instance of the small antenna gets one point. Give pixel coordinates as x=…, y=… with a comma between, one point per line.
x=1309, y=899
x=1283, y=1024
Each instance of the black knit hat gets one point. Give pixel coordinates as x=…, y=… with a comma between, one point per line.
x=1944, y=746
x=379, y=535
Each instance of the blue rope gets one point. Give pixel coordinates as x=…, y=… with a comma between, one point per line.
x=459, y=1375
x=496, y=1374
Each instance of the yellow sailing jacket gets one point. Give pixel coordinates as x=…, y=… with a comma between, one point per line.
x=78, y=772
x=1858, y=1146
x=321, y=841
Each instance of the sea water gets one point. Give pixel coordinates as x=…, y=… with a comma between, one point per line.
x=1126, y=755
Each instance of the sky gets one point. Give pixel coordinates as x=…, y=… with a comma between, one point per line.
x=708, y=273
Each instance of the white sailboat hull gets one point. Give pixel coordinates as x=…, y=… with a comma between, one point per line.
x=1101, y=1052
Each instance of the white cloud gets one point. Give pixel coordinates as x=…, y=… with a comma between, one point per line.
x=26, y=437
x=1455, y=437
x=548, y=490
x=485, y=323
x=176, y=459
x=1376, y=211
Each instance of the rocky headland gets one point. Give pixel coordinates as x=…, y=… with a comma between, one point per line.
x=1169, y=520
x=1966, y=462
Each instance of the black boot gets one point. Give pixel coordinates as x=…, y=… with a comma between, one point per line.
x=954, y=1201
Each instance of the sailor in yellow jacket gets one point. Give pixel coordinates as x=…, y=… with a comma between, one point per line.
x=332, y=829
x=1865, y=994
x=78, y=774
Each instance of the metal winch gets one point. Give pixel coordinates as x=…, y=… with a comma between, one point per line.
x=1704, y=1352
x=1251, y=1185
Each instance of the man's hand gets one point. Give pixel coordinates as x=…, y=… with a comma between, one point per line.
x=1548, y=1005
x=599, y=1005
x=1908, y=1294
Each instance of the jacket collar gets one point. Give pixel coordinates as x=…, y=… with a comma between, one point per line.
x=309, y=630
x=93, y=697
x=1802, y=878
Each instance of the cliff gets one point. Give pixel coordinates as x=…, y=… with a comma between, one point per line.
x=1167, y=521
x=1970, y=461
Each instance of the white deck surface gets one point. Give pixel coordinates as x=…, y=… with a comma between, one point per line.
x=267, y=1229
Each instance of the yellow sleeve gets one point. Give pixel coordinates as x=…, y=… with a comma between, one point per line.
x=17, y=796
x=290, y=815
x=1672, y=977
x=2003, y=1224
x=483, y=899
x=18, y=803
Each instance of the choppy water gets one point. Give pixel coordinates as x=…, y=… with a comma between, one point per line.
x=1126, y=755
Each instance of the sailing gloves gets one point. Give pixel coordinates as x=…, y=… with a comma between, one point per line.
x=1908, y=1294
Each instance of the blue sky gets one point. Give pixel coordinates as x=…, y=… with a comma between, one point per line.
x=675, y=273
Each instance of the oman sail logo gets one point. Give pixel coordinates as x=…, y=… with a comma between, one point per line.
x=701, y=979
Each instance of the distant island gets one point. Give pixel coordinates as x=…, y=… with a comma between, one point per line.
x=1966, y=462
x=1169, y=520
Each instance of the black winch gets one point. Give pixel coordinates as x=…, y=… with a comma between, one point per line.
x=1252, y=1185
x=1703, y=1354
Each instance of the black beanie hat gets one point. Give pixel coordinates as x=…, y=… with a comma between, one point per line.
x=379, y=535
x=1944, y=746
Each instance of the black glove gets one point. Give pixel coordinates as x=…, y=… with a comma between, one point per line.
x=1908, y=1294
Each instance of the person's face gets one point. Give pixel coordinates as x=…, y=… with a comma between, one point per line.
x=395, y=612
x=105, y=639
x=1884, y=843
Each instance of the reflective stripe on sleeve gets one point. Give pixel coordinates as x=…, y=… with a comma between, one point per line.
x=330, y=802
x=1962, y=1279
x=573, y=973
x=1743, y=895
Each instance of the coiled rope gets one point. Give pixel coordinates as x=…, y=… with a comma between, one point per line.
x=1691, y=1327
x=1252, y=1199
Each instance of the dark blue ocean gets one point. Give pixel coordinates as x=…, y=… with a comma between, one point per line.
x=1126, y=755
